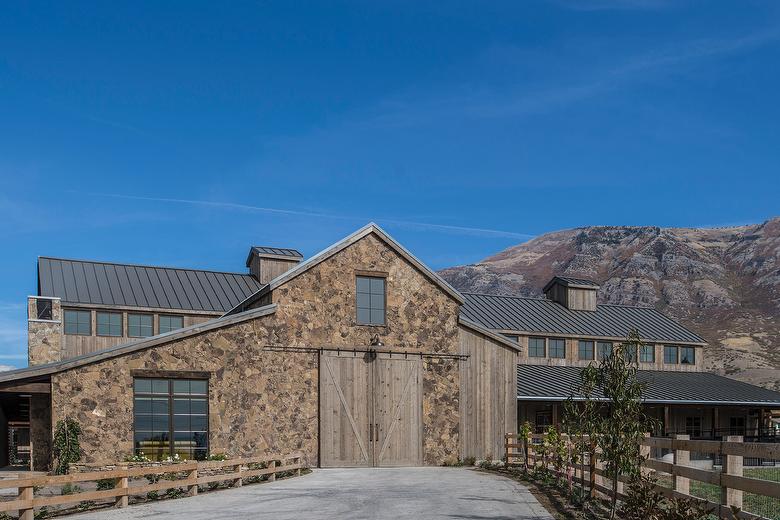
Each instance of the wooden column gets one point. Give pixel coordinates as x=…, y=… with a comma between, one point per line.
x=715, y=420
x=644, y=452
x=272, y=476
x=681, y=458
x=667, y=420
x=555, y=415
x=732, y=465
x=238, y=482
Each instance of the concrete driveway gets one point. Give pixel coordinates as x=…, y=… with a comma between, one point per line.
x=390, y=494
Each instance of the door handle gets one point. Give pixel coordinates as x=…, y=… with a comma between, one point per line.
x=376, y=430
x=370, y=432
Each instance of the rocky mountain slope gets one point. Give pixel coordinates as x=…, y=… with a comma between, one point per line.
x=723, y=283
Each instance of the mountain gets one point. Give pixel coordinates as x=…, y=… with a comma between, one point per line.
x=723, y=283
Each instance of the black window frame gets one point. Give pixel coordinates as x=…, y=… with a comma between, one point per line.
x=683, y=357
x=370, y=278
x=78, y=312
x=130, y=328
x=532, y=350
x=168, y=329
x=551, y=348
x=693, y=426
x=667, y=357
x=108, y=313
x=588, y=348
x=171, y=395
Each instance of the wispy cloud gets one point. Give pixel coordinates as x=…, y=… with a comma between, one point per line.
x=489, y=103
x=232, y=206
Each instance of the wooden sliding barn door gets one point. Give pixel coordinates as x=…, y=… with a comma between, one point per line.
x=370, y=410
x=346, y=411
x=397, y=411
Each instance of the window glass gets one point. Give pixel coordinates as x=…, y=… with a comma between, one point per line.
x=169, y=323
x=512, y=337
x=78, y=322
x=370, y=300
x=171, y=417
x=670, y=355
x=605, y=350
x=585, y=350
x=629, y=352
x=693, y=426
x=688, y=355
x=140, y=325
x=557, y=348
x=536, y=347
x=647, y=354
x=109, y=324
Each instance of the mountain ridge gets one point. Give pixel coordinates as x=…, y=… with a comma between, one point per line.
x=723, y=283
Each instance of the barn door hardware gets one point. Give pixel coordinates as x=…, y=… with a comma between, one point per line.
x=370, y=432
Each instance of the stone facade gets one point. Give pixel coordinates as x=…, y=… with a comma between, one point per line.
x=266, y=401
x=44, y=337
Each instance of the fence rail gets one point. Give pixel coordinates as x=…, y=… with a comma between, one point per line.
x=725, y=491
x=186, y=474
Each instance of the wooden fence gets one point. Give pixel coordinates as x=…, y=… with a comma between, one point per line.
x=730, y=480
x=164, y=477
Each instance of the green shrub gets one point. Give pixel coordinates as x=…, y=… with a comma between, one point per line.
x=106, y=483
x=70, y=489
x=66, y=448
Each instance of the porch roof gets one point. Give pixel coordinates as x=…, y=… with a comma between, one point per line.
x=556, y=383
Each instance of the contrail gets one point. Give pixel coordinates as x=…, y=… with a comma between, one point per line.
x=281, y=211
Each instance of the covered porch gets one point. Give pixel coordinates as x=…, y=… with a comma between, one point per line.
x=25, y=426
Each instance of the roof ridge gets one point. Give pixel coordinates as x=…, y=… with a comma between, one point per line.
x=103, y=262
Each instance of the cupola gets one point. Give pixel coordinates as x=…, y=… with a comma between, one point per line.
x=576, y=294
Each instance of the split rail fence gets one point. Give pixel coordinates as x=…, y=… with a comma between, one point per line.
x=730, y=491
x=187, y=475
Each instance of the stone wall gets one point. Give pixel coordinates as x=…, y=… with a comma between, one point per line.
x=260, y=402
x=44, y=337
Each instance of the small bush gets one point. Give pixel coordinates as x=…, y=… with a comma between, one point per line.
x=217, y=456
x=470, y=461
x=106, y=483
x=70, y=489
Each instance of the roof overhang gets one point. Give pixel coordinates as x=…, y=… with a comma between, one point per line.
x=559, y=399
x=489, y=333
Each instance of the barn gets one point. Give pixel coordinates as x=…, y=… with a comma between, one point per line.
x=357, y=356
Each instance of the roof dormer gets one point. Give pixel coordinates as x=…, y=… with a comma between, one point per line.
x=576, y=294
x=266, y=263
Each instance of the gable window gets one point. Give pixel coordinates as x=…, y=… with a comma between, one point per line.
x=557, y=348
x=140, y=325
x=687, y=355
x=78, y=322
x=109, y=324
x=670, y=355
x=536, y=347
x=647, y=353
x=605, y=350
x=586, y=350
x=170, y=417
x=169, y=323
x=370, y=300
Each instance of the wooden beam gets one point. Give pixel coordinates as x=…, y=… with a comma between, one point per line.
x=27, y=388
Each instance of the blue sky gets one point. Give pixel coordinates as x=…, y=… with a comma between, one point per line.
x=180, y=134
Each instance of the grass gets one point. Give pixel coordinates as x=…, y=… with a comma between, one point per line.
x=767, y=507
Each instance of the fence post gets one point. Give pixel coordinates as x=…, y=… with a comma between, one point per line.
x=681, y=458
x=272, y=475
x=732, y=465
x=122, y=483
x=298, y=462
x=26, y=493
x=644, y=453
x=238, y=482
x=192, y=489
x=507, y=438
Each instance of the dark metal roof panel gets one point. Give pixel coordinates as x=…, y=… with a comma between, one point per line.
x=86, y=282
x=558, y=382
x=278, y=251
x=542, y=316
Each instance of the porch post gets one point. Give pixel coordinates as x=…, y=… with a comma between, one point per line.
x=667, y=420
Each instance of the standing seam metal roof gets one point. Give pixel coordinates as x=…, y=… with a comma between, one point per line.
x=556, y=383
x=542, y=316
x=88, y=282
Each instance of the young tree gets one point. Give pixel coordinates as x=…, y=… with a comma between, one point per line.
x=581, y=416
x=624, y=421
